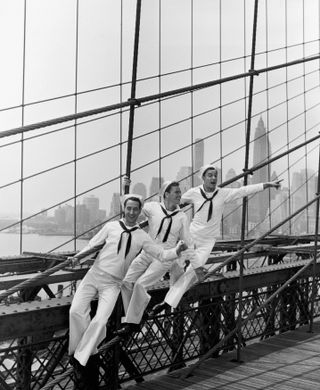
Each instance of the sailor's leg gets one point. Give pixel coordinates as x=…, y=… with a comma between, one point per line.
x=177, y=290
x=139, y=265
x=79, y=314
x=96, y=331
x=140, y=297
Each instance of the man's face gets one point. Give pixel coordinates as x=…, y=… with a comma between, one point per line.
x=132, y=211
x=210, y=179
x=174, y=196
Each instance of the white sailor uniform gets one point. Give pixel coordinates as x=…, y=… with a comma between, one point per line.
x=103, y=280
x=204, y=229
x=166, y=228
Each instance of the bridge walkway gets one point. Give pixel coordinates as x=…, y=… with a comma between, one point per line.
x=289, y=361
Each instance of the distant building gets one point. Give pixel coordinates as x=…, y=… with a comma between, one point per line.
x=140, y=189
x=115, y=206
x=198, y=159
x=303, y=189
x=184, y=176
x=280, y=210
x=155, y=186
x=92, y=204
x=82, y=218
x=258, y=204
x=231, y=221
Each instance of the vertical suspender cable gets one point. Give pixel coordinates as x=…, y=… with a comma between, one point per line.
x=246, y=165
x=160, y=87
x=192, y=97
x=220, y=102
x=133, y=90
x=75, y=125
x=118, y=308
x=121, y=92
x=267, y=111
x=287, y=114
x=305, y=113
x=22, y=121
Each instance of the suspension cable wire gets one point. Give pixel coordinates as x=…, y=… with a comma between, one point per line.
x=245, y=169
x=268, y=103
x=138, y=101
x=256, y=166
x=220, y=132
x=151, y=132
x=142, y=79
x=75, y=137
x=167, y=126
x=22, y=123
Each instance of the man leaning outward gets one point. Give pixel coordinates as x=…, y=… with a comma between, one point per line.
x=167, y=225
x=209, y=202
x=122, y=240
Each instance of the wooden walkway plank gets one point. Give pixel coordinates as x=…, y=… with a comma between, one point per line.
x=289, y=361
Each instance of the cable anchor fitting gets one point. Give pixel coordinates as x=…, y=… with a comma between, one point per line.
x=247, y=171
x=254, y=72
x=134, y=102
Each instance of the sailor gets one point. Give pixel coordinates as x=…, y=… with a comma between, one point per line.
x=209, y=202
x=167, y=225
x=123, y=240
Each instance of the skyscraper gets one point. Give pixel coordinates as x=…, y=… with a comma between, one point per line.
x=198, y=158
x=140, y=189
x=259, y=203
x=92, y=204
x=155, y=186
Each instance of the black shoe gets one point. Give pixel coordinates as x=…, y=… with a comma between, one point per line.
x=127, y=329
x=158, y=309
x=79, y=374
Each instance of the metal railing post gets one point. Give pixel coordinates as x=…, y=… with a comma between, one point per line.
x=314, y=285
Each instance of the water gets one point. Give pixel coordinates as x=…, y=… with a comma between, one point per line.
x=10, y=243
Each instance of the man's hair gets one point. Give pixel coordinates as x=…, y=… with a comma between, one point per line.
x=172, y=184
x=134, y=198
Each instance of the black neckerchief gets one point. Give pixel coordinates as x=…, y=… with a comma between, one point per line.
x=167, y=216
x=207, y=200
x=128, y=231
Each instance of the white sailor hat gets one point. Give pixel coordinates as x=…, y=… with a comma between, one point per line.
x=165, y=185
x=204, y=169
x=131, y=196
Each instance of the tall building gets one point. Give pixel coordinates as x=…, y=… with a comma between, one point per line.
x=231, y=222
x=115, y=206
x=155, y=186
x=198, y=159
x=140, y=189
x=184, y=176
x=92, y=204
x=259, y=203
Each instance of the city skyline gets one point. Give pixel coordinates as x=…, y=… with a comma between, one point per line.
x=89, y=214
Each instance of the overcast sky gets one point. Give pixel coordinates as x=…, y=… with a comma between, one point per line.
x=44, y=58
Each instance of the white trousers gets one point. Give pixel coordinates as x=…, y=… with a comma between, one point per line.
x=85, y=334
x=189, y=278
x=143, y=273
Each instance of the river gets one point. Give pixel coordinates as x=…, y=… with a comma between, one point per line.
x=10, y=243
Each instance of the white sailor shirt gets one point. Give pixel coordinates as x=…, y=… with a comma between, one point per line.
x=205, y=230
x=117, y=264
